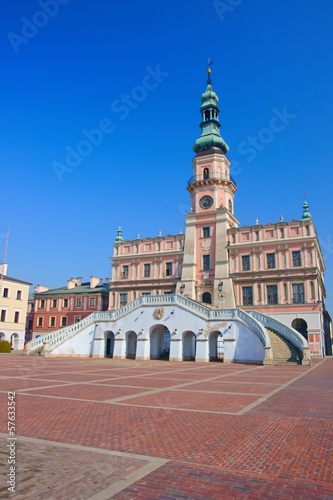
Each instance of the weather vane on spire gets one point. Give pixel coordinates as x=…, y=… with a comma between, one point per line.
x=209, y=71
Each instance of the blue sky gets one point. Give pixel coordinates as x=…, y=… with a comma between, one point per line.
x=136, y=71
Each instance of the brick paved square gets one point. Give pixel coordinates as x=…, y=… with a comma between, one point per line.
x=276, y=443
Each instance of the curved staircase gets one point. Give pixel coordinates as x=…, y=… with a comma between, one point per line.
x=283, y=351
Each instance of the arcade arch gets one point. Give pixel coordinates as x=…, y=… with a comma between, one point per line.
x=301, y=326
x=131, y=341
x=215, y=346
x=159, y=342
x=109, y=344
x=189, y=345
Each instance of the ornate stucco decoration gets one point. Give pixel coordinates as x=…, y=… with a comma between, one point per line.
x=158, y=313
x=205, y=244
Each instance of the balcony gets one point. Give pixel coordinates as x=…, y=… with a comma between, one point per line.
x=202, y=179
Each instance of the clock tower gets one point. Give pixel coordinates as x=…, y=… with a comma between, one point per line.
x=205, y=272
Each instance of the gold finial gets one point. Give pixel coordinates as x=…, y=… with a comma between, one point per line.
x=209, y=71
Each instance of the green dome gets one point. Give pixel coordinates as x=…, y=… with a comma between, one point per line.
x=210, y=125
x=306, y=213
x=119, y=237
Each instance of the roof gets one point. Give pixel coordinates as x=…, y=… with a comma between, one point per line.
x=84, y=288
x=8, y=278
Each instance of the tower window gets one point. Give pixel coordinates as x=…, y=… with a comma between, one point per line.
x=206, y=232
x=206, y=262
x=124, y=274
x=207, y=116
x=206, y=173
x=230, y=206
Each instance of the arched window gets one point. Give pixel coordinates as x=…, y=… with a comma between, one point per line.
x=206, y=173
x=207, y=115
x=207, y=298
x=230, y=206
x=301, y=326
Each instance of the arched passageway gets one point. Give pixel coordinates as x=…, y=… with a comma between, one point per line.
x=207, y=298
x=216, y=346
x=159, y=342
x=189, y=345
x=301, y=326
x=131, y=341
x=109, y=344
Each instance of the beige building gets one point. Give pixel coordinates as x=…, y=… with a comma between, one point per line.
x=13, y=308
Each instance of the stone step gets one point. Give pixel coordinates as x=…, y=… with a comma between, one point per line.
x=283, y=351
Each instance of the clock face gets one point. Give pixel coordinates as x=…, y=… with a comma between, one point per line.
x=206, y=202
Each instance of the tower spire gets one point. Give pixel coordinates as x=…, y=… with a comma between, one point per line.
x=306, y=212
x=209, y=71
x=210, y=126
x=119, y=237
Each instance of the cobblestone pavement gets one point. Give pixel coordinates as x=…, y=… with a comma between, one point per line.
x=100, y=429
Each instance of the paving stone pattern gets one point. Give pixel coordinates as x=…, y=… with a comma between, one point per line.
x=102, y=429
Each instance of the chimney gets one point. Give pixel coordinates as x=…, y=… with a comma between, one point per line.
x=73, y=282
x=94, y=281
x=41, y=288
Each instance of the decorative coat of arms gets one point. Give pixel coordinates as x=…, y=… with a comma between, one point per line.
x=205, y=244
x=158, y=313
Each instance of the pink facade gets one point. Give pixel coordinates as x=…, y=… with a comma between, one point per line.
x=274, y=268
x=151, y=266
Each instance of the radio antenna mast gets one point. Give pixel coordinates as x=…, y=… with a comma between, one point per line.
x=2, y=271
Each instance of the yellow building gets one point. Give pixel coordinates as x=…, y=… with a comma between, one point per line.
x=13, y=308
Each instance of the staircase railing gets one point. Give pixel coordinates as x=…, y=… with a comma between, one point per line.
x=57, y=337
x=289, y=333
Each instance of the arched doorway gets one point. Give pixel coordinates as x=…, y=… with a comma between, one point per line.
x=2, y=336
x=216, y=346
x=109, y=344
x=131, y=341
x=14, y=341
x=189, y=345
x=207, y=298
x=301, y=326
x=159, y=342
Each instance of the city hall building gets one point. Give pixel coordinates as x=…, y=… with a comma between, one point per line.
x=220, y=291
